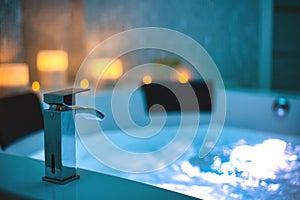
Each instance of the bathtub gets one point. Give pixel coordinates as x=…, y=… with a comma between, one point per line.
x=257, y=155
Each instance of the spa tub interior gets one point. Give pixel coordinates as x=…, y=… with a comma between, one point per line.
x=256, y=156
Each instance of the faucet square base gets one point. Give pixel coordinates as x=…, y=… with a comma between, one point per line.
x=61, y=182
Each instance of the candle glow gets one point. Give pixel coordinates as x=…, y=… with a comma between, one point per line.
x=52, y=60
x=14, y=75
x=106, y=68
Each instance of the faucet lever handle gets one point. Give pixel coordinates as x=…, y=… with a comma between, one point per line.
x=63, y=97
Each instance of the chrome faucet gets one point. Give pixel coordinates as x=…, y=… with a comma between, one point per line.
x=59, y=135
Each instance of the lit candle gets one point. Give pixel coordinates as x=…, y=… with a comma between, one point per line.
x=14, y=75
x=35, y=86
x=182, y=75
x=147, y=79
x=52, y=66
x=84, y=83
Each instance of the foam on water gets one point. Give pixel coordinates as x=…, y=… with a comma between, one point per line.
x=266, y=170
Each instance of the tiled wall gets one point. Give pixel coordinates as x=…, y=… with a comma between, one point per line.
x=227, y=29
x=11, y=41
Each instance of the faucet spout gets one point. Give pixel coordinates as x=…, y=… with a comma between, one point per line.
x=89, y=111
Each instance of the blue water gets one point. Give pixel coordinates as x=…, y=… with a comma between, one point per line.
x=245, y=164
